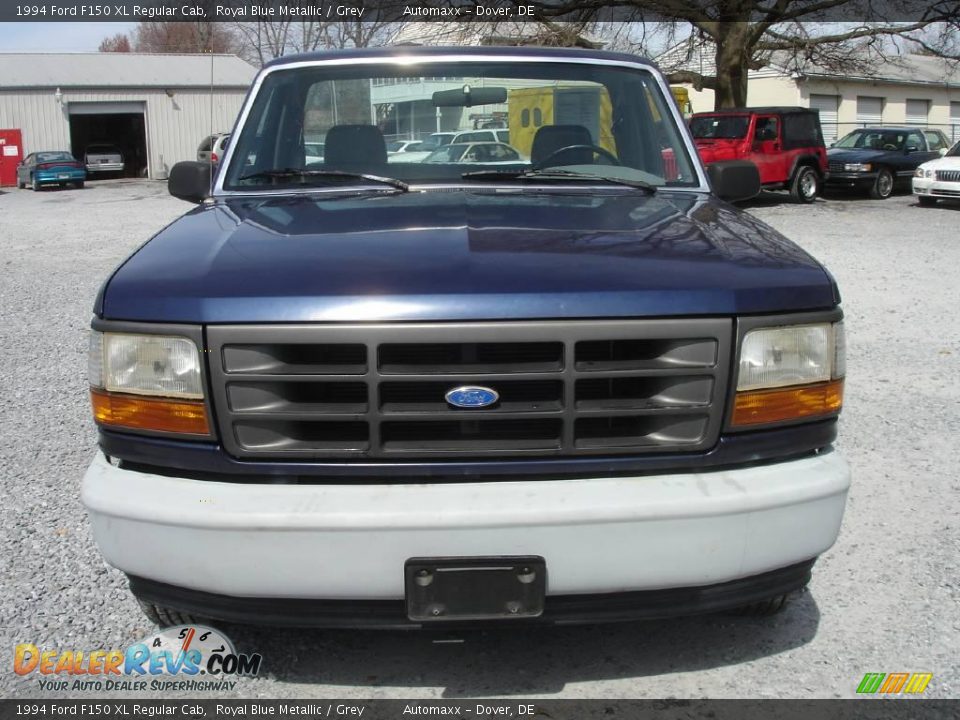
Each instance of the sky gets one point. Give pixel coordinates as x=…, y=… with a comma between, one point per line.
x=58, y=37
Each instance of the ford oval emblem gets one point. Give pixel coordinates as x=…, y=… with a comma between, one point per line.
x=472, y=396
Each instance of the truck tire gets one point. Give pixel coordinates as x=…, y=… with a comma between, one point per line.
x=763, y=608
x=806, y=185
x=164, y=616
x=882, y=187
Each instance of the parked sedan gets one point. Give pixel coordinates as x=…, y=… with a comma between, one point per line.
x=938, y=178
x=54, y=167
x=103, y=159
x=486, y=153
x=875, y=159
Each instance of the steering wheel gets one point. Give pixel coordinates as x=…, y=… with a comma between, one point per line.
x=569, y=148
x=889, y=146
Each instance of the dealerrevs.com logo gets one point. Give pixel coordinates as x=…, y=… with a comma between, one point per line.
x=183, y=657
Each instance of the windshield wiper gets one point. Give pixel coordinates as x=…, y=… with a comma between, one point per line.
x=556, y=174
x=304, y=174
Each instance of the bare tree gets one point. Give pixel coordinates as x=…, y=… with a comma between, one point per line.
x=262, y=41
x=115, y=43
x=744, y=35
x=184, y=37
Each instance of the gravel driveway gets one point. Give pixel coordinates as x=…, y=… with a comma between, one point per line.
x=884, y=599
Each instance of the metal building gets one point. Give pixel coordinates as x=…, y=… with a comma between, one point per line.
x=155, y=108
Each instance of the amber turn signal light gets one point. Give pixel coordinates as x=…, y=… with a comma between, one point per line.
x=758, y=407
x=136, y=412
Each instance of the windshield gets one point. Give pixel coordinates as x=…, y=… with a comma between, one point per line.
x=719, y=127
x=875, y=140
x=591, y=119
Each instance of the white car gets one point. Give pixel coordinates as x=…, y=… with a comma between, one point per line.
x=103, y=159
x=213, y=148
x=501, y=136
x=403, y=146
x=408, y=151
x=483, y=153
x=938, y=178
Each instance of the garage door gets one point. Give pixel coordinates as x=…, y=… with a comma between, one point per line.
x=918, y=112
x=955, y=120
x=869, y=110
x=105, y=108
x=828, y=105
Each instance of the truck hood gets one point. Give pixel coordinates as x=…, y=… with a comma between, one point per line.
x=460, y=255
x=842, y=155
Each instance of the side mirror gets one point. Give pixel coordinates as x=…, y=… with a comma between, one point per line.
x=734, y=180
x=190, y=181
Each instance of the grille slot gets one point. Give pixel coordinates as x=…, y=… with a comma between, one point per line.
x=301, y=397
x=285, y=436
x=597, y=355
x=377, y=392
x=455, y=358
x=637, y=432
x=299, y=359
x=471, y=435
x=642, y=393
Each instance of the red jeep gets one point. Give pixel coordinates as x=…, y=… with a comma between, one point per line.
x=785, y=143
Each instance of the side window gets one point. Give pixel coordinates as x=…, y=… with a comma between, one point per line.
x=537, y=117
x=28, y=159
x=915, y=140
x=525, y=117
x=767, y=129
x=933, y=138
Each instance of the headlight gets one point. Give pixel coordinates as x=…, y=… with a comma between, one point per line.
x=858, y=167
x=147, y=382
x=790, y=372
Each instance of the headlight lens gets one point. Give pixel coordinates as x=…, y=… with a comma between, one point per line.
x=789, y=373
x=148, y=383
x=858, y=167
x=792, y=355
x=145, y=365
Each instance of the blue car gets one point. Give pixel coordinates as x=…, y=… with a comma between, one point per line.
x=55, y=167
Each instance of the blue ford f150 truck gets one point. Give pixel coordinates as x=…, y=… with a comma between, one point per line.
x=564, y=383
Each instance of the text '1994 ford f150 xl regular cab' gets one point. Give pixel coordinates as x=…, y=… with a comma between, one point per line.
x=575, y=386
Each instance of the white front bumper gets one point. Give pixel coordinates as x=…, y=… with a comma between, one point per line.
x=351, y=541
x=935, y=188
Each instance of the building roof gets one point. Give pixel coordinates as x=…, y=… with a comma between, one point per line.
x=123, y=70
x=698, y=56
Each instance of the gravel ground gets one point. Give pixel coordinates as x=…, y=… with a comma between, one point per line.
x=884, y=599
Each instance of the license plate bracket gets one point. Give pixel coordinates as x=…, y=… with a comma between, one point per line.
x=445, y=589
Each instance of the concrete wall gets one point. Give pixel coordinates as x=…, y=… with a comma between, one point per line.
x=175, y=124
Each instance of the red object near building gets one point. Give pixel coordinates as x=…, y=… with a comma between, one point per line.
x=11, y=153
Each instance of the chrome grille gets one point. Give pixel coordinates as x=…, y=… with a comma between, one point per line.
x=835, y=167
x=369, y=392
x=948, y=175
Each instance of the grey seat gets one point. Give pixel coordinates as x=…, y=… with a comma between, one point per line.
x=354, y=146
x=551, y=138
